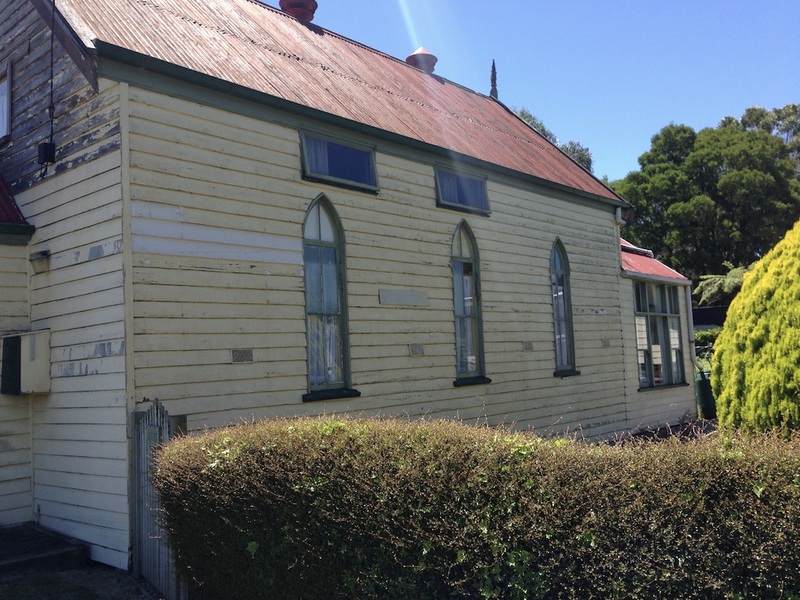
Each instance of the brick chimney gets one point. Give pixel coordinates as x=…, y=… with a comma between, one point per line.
x=423, y=60
x=302, y=10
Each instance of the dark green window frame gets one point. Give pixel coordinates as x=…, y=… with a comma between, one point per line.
x=340, y=163
x=459, y=191
x=464, y=261
x=327, y=339
x=564, y=335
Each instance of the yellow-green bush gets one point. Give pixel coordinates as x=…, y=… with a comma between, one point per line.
x=333, y=508
x=756, y=364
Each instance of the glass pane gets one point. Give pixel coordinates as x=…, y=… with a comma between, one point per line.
x=313, y=270
x=326, y=231
x=316, y=155
x=349, y=163
x=468, y=287
x=458, y=288
x=657, y=298
x=448, y=186
x=466, y=345
x=5, y=106
x=472, y=193
x=642, y=347
x=559, y=300
x=556, y=263
x=640, y=292
x=466, y=244
x=674, y=306
x=311, y=231
x=657, y=354
x=675, y=350
x=324, y=350
x=330, y=281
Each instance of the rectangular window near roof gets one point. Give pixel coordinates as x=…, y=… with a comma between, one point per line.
x=461, y=192
x=338, y=164
x=5, y=103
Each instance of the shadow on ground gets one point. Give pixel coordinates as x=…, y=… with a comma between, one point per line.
x=92, y=582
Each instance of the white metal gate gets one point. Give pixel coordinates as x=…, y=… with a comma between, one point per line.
x=152, y=558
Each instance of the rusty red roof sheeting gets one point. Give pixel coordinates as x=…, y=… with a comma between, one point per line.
x=9, y=211
x=637, y=261
x=262, y=48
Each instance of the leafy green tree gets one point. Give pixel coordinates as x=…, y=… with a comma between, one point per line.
x=719, y=196
x=720, y=290
x=755, y=375
x=575, y=150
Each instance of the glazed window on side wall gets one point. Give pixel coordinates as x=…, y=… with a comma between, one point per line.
x=562, y=311
x=5, y=102
x=658, y=335
x=461, y=192
x=467, y=306
x=326, y=304
x=337, y=163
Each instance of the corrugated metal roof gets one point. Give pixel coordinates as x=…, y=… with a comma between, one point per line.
x=9, y=211
x=262, y=48
x=642, y=262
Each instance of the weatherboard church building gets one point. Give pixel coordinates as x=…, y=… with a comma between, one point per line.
x=223, y=209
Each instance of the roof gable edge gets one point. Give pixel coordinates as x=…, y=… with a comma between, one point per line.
x=70, y=40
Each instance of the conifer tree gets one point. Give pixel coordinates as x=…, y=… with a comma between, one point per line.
x=756, y=365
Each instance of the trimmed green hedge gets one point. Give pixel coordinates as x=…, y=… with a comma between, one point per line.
x=756, y=364
x=338, y=508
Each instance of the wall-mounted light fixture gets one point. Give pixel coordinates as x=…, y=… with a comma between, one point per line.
x=40, y=261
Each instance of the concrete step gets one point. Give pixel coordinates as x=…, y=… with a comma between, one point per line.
x=29, y=546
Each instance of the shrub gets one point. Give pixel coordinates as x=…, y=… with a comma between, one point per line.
x=335, y=508
x=756, y=363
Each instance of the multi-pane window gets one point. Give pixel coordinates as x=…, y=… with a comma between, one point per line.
x=454, y=190
x=466, y=301
x=658, y=335
x=562, y=310
x=5, y=102
x=326, y=311
x=333, y=162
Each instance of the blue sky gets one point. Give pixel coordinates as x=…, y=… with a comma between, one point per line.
x=607, y=73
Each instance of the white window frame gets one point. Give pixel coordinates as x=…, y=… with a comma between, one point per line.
x=659, y=347
x=5, y=104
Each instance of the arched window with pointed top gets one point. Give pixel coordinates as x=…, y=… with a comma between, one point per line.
x=467, y=304
x=562, y=311
x=326, y=304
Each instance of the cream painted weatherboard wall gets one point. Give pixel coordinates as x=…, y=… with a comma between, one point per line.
x=217, y=207
x=15, y=424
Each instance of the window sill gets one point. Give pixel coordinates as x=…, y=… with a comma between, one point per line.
x=343, y=183
x=331, y=394
x=566, y=373
x=654, y=388
x=465, y=381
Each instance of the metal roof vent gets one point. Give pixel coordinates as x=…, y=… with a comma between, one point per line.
x=423, y=60
x=302, y=10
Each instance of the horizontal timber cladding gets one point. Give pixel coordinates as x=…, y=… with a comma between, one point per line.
x=79, y=430
x=86, y=124
x=217, y=209
x=15, y=460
